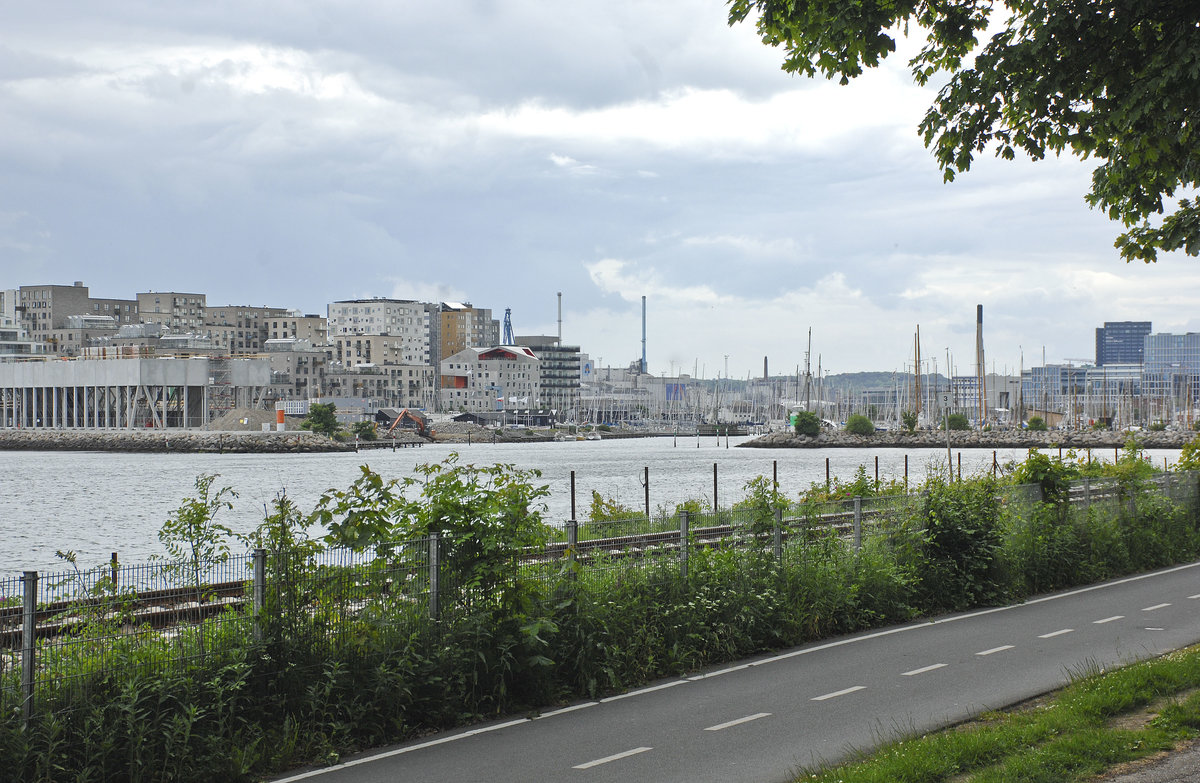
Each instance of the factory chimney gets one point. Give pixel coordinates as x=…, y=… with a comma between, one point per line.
x=643, y=334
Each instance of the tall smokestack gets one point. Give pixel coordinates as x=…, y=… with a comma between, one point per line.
x=980, y=378
x=560, y=317
x=766, y=375
x=643, y=334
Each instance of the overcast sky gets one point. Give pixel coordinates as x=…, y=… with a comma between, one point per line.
x=291, y=154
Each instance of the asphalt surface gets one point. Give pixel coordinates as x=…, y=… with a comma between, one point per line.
x=764, y=719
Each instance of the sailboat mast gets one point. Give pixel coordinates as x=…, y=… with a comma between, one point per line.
x=917, y=369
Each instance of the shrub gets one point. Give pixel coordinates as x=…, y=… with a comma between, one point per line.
x=909, y=420
x=859, y=424
x=1037, y=424
x=1158, y=426
x=958, y=422
x=365, y=430
x=962, y=542
x=1189, y=457
x=1053, y=475
x=807, y=423
x=321, y=418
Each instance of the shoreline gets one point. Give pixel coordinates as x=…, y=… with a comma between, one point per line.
x=169, y=441
x=998, y=439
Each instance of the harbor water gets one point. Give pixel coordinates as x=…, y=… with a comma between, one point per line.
x=98, y=503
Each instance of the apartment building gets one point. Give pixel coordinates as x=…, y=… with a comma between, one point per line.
x=42, y=309
x=490, y=379
x=405, y=320
x=560, y=373
x=300, y=326
x=241, y=329
x=462, y=326
x=177, y=311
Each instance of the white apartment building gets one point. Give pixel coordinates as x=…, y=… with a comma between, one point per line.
x=407, y=320
x=477, y=380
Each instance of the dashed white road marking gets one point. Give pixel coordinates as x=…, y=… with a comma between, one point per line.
x=842, y=692
x=1052, y=634
x=1001, y=648
x=739, y=721
x=1156, y=629
x=924, y=669
x=1193, y=597
x=1156, y=606
x=1108, y=619
x=614, y=757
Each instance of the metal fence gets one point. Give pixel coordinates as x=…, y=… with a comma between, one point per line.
x=61, y=632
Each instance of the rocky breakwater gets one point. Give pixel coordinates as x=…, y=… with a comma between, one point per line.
x=192, y=441
x=995, y=439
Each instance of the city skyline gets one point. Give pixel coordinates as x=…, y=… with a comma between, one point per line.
x=293, y=157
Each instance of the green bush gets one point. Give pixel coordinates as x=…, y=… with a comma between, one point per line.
x=958, y=421
x=962, y=524
x=321, y=418
x=1053, y=475
x=1036, y=424
x=807, y=423
x=349, y=660
x=909, y=420
x=858, y=424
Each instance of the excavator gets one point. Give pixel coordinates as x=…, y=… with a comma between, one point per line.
x=419, y=422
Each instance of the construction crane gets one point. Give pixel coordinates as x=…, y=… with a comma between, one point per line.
x=508, y=332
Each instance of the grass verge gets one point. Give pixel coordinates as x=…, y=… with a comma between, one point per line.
x=1101, y=720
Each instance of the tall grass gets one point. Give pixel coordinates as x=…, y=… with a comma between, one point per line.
x=348, y=659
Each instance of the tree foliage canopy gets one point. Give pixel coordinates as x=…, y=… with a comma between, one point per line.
x=859, y=424
x=807, y=423
x=321, y=418
x=1117, y=80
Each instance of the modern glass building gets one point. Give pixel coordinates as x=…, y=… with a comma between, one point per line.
x=1121, y=342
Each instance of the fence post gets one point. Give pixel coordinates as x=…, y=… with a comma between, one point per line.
x=683, y=543
x=778, y=535
x=434, y=587
x=29, y=631
x=857, y=523
x=572, y=543
x=114, y=571
x=1087, y=492
x=258, y=591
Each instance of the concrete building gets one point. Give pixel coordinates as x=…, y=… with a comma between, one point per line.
x=300, y=326
x=127, y=393
x=16, y=345
x=490, y=379
x=462, y=326
x=298, y=369
x=406, y=320
x=240, y=329
x=8, y=306
x=82, y=331
x=385, y=386
x=1121, y=342
x=560, y=373
x=370, y=349
x=177, y=311
x=42, y=309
